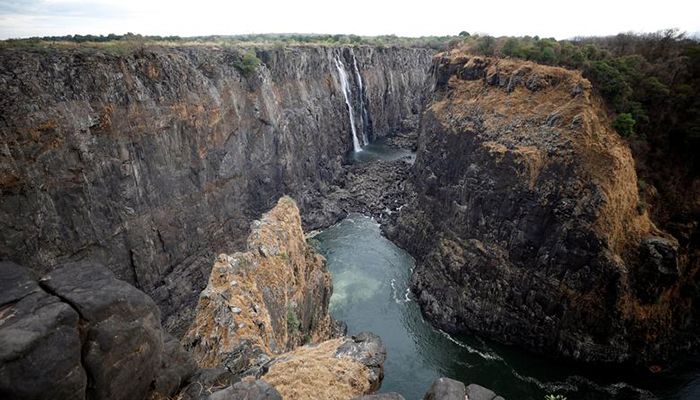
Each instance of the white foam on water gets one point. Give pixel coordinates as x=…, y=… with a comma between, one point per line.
x=484, y=355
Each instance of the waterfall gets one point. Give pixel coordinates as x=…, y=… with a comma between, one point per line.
x=347, y=94
x=363, y=110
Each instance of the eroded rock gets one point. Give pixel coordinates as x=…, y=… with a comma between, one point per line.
x=526, y=226
x=278, y=302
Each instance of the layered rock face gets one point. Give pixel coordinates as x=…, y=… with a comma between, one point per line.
x=154, y=161
x=526, y=223
x=80, y=333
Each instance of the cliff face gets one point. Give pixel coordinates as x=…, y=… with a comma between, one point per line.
x=260, y=306
x=265, y=301
x=154, y=161
x=526, y=221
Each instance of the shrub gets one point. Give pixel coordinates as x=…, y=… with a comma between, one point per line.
x=293, y=323
x=511, y=48
x=624, y=124
x=486, y=45
x=248, y=63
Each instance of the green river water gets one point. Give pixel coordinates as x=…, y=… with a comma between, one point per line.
x=370, y=278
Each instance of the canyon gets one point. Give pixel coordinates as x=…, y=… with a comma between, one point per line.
x=153, y=169
x=154, y=163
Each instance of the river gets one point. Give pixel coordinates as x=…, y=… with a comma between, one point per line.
x=370, y=279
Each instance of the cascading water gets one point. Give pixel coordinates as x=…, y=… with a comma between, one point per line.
x=347, y=94
x=363, y=110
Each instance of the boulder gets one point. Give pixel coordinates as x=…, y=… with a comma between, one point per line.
x=367, y=349
x=39, y=341
x=445, y=389
x=247, y=390
x=476, y=392
x=123, y=338
x=80, y=333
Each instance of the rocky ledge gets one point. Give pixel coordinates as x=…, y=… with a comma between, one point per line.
x=80, y=333
x=526, y=224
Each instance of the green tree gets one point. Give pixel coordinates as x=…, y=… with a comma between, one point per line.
x=511, y=48
x=247, y=64
x=624, y=125
x=486, y=45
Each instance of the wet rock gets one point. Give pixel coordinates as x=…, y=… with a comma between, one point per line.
x=39, y=341
x=446, y=389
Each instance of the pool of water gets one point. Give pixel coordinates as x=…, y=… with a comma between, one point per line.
x=380, y=150
x=370, y=279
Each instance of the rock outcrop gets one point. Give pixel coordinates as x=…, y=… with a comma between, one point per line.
x=261, y=305
x=265, y=301
x=526, y=223
x=337, y=369
x=155, y=160
x=80, y=333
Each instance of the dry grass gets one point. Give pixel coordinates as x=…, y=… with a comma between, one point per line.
x=313, y=372
x=581, y=125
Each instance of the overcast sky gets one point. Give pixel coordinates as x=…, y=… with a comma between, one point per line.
x=561, y=19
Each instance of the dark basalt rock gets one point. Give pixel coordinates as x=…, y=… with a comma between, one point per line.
x=381, y=396
x=525, y=223
x=80, y=333
x=247, y=390
x=658, y=268
x=40, y=344
x=476, y=392
x=121, y=325
x=446, y=389
x=368, y=349
x=155, y=161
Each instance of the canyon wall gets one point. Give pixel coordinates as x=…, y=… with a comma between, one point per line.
x=527, y=225
x=155, y=160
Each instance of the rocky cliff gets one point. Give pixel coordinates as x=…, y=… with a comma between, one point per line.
x=155, y=160
x=265, y=301
x=261, y=305
x=526, y=222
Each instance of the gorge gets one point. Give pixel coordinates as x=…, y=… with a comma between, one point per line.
x=515, y=202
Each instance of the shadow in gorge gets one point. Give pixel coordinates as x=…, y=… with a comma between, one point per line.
x=371, y=277
x=382, y=150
